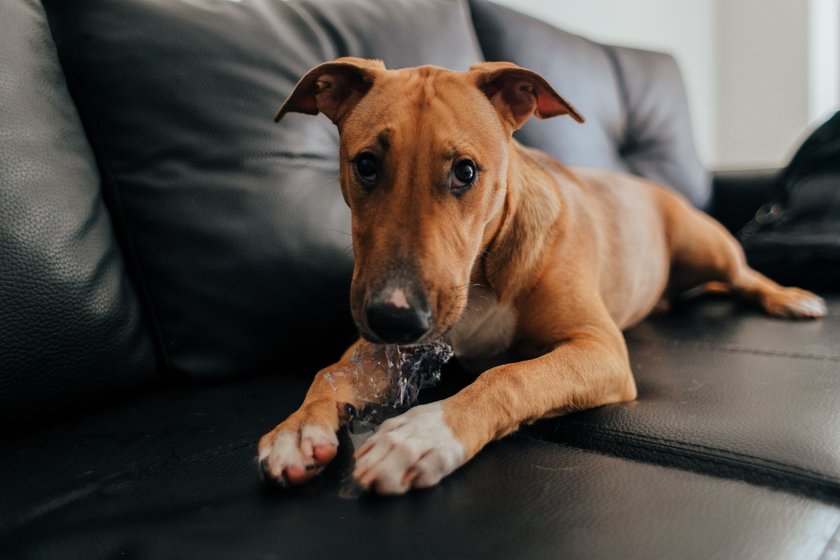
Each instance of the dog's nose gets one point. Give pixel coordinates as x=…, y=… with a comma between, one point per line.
x=398, y=319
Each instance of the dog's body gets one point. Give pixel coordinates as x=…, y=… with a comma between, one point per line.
x=461, y=233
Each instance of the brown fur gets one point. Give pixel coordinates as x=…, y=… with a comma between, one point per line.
x=579, y=254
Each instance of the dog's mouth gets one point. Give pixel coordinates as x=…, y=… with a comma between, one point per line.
x=430, y=337
x=436, y=333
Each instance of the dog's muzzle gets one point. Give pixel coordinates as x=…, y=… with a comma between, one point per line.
x=397, y=315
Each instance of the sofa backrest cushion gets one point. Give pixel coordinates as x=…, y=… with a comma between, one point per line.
x=71, y=329
x=236, y=225
x=634, y=102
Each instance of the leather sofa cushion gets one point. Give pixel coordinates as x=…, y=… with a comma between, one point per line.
x=658, y=142
x=71, y=329
x=173, y=475
x=236, y=225
x=724, y=389
x=636, y=111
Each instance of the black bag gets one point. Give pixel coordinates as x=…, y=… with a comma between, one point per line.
x=796, y=237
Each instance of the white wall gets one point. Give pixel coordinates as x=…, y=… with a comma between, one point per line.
x=778, y=76
x=762, y=81
x=823, y=57
x=757, y=72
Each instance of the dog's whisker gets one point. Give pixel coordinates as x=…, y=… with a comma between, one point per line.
x=347, y=233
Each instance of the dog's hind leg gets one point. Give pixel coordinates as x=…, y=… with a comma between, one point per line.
x=704, y=251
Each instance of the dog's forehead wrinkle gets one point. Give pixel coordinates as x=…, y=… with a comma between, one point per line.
x=427, y=87
x=384, y=137
x=376, y=136
x=429, y=92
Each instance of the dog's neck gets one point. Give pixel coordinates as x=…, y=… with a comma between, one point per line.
x=529, y=216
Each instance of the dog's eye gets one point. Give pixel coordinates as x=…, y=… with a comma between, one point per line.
x=367, y=168
x=464, y=173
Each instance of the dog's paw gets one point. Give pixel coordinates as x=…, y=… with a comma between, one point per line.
x=414, y=450
x=794, y=303
x=296, y=450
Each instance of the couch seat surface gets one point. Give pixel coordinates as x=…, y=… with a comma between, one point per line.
x=173, y=474
x=726, y=389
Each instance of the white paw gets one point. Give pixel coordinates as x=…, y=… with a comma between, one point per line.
x=294, y=455
x=797, y=304
x=808, y=306
x=416, y=449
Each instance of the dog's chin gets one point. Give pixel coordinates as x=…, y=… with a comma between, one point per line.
x=430, y=337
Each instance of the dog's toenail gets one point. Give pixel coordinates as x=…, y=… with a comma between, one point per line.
x=267, y=478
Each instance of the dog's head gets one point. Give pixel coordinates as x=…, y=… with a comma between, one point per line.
x=424, y=169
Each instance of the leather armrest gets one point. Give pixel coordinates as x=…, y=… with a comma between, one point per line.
x=736, y=195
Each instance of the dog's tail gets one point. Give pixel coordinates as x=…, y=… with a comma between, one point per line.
x=713, y=288
x=717, y=288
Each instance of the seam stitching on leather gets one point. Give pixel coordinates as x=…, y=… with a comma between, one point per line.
x=128, y=253
x=629, y=112
x=748, y=460
x=734, y=472
x=782, y=481
x=736, y=349
x=662, y=452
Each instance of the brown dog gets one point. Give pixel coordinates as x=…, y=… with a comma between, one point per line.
x=461, y=233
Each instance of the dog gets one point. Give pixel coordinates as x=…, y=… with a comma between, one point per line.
x=462, y=234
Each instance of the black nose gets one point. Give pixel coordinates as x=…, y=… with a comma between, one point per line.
x=398, y=325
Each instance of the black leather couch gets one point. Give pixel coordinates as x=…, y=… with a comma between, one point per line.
x=174, y=267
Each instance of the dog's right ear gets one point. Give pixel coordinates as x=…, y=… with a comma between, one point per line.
x=332, y=88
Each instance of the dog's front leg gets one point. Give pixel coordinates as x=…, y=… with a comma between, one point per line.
x=302, y=445
x=417, y=449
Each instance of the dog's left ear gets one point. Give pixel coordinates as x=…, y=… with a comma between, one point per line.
x=517, y=93
x=332, y=88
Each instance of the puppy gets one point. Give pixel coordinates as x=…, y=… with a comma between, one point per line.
x=462, y=234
